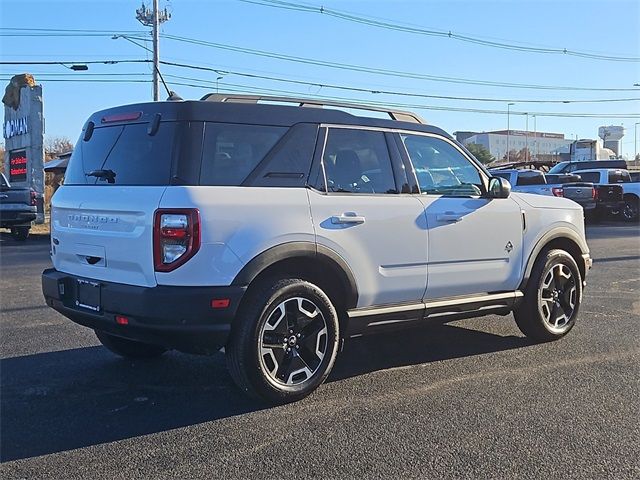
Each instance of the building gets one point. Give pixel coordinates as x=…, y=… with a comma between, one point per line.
x=539, y=144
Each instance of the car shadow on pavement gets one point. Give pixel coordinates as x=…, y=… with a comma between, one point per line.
x=58, y=401
x=415, y=346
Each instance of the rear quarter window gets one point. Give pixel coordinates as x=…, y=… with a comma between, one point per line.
x=232, y=151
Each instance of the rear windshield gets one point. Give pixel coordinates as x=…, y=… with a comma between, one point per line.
x=134, y=156
x=531, y=179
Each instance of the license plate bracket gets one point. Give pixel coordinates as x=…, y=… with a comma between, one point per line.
x=88, y=295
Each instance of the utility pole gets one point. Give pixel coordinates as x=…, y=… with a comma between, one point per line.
x=508, y=111
x=153, y=18
x=527, y=157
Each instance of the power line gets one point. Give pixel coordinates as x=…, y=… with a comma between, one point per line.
x=371, y=21
x=53, y=62
x=208, y=85
x=360, y=68
x=381, y=71
x=385, y=92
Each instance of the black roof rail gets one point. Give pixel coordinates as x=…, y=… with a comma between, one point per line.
x=311, y=102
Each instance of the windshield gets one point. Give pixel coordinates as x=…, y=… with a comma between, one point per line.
x=134, y=156
x=559, y=168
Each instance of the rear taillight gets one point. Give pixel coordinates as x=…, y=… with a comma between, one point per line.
x=176, y=237
x=558, y=191
x=594, y=193
x=34, y=197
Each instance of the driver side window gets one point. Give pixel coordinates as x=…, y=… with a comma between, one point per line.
x=440, y=168
x=357, y=161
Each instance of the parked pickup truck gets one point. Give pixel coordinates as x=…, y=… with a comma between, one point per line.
x=612, y=196
x=561, y=185
x=17, y=208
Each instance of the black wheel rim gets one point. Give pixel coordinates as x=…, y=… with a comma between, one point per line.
x=293, y=341
x=630, y=211
x=557, y=298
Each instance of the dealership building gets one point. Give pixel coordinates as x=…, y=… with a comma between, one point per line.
x=538, y=143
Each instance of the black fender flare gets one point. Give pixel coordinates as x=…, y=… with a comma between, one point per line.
x=327, y=257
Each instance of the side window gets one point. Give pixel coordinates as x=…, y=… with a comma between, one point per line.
x=533, y=178
x=231, y=151
x=441, y=168
x=357, y=161
x=619, y=176
x=591, y=177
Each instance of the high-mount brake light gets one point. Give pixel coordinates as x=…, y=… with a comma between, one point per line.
x=176, y=237
x=121, y=117
x=558, y=191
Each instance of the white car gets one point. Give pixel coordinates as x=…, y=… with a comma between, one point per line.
x=279, y=231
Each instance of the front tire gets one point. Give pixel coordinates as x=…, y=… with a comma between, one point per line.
x=284, y=342
x=631, y=209
x=129, y=348
x=552, y=297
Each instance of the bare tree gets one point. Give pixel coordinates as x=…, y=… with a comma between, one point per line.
x=54, y=146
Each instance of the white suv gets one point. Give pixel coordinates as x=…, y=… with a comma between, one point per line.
x=278, y=231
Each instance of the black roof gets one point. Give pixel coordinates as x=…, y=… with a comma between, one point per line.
x=254, y=113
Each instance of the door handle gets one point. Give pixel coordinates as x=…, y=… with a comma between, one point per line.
x=451, y=218
x=347, y=217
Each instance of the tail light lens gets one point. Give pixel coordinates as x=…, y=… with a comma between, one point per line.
x=557, y=191
x=594, y=193
x=34, y=197
x=176, y=237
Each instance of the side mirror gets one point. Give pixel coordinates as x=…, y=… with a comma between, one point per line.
x=499, y=187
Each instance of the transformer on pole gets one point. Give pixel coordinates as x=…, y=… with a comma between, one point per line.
x=153, y=17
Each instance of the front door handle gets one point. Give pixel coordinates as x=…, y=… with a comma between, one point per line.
x=347, y=217
x=451, y=218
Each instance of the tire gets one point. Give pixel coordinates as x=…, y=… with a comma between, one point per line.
x=554, y=291
x=630, y=210
x=284, y=341
x=20, y=233
x=129, y=348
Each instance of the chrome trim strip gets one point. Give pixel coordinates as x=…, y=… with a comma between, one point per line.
x=388, y=322
x=363, y=312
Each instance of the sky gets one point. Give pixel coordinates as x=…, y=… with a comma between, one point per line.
x=594, y=27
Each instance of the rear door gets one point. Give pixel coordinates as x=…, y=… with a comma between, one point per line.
x=358, y=211
x=102, y=226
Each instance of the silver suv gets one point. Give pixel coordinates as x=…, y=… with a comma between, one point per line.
x=278, y=231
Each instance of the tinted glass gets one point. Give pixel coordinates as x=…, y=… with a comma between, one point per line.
x=288, y=164
x=531, y=179
x=506, y=176
x=591, y=177
x=135, y=157
x=358, y=161
x=441, y=168
x=231, y=152
x=619, y=176
x=3, y=181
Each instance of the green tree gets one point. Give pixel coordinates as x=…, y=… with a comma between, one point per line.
x=480, y=152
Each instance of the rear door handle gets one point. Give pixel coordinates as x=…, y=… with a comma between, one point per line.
x=347, y=217
x=447, y=217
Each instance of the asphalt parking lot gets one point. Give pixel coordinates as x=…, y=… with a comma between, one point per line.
x=471, y=399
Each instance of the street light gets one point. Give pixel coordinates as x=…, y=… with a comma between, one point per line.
x=508, y=111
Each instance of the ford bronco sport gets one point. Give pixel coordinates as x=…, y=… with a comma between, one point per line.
x=277, y=231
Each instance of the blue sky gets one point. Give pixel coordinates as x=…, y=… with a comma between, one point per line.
x=610, y=27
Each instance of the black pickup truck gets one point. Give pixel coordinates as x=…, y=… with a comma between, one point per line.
x=17, y=208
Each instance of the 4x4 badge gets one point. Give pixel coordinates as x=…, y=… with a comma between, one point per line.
x=508, y=247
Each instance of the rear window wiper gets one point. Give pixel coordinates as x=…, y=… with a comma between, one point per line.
x=108, y=175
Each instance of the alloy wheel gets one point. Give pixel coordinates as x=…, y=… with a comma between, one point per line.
x=557, y=298
x=293, y=341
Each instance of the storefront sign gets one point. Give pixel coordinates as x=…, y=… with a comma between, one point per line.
x=18, y=126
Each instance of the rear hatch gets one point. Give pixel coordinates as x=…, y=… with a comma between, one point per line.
x=14, y=200
x=102, y=217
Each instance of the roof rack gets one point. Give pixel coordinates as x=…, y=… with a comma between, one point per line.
x=310, y=102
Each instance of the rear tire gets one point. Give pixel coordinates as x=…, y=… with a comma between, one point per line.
x=285, y=340
x=20, y=233
x=552, y=297
x=129, y=348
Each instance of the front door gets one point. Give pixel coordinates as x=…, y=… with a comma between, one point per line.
x=475, y=243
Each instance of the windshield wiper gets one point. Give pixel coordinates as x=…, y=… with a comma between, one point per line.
x=108, y=175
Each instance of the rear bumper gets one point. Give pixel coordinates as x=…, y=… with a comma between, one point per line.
x=12, y=218
x=174, y=317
